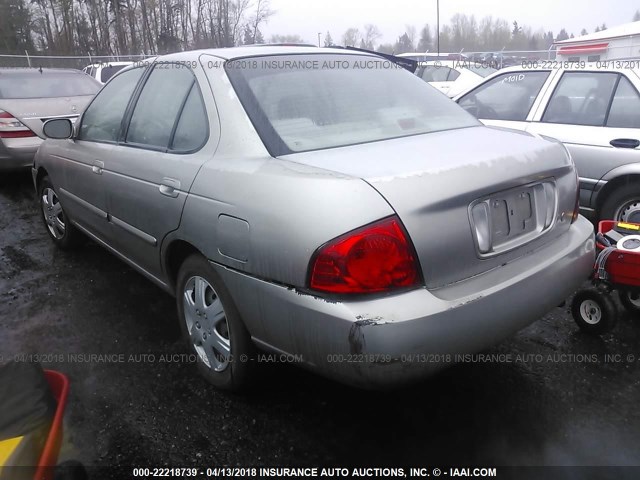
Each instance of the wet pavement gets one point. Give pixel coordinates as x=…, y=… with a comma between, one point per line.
x=557, y=401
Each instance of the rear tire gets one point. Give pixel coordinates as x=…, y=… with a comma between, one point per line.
x=212, y=327
x=594, y=311
x=623, y=205
x=54, y=218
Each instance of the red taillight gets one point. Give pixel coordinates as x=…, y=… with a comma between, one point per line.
x=11, y=127
x=374, y=258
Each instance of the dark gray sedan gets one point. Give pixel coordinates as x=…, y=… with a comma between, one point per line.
x=323, y=205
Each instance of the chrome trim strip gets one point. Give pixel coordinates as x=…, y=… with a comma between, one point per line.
x=133, y=230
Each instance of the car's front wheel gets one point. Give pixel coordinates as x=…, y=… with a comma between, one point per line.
x=623, y=205
x=212, y=326
x=60, y=230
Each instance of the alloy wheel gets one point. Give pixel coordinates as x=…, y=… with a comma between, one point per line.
x=207, y=323
x=53, y=214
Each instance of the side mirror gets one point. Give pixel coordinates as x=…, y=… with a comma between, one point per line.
x=58, y=128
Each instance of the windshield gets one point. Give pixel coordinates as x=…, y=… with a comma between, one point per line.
x=300, y=103
x=33, y=84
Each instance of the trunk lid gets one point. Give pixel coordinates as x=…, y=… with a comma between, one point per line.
x=456, y=190
x=33, y=112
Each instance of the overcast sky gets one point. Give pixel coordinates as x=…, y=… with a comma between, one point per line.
x=308, y=17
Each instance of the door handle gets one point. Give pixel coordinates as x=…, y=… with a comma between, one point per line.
x=98, y=166
x=170, y=187
x=625, y=143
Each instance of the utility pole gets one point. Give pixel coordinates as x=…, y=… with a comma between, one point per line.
x=438, y=25
x=319, y=33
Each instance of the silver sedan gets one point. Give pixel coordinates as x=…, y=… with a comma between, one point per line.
x=322, y=205
x=31, y=96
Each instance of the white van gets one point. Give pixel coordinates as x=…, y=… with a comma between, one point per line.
x=105, y=70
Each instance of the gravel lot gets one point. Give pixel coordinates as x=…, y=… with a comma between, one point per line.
x=558, y=403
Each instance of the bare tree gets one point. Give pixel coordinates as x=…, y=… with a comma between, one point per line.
x=411, y=35
x=286, y=39
x=371, y=36
x=351, y=37
x=262, y=15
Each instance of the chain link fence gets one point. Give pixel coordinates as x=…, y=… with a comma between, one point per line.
x=496, y=59
x=57, y=61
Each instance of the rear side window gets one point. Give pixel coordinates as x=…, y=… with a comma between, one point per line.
x=170, y=104
x=432, y=73
x=581, y=98
x=625, y=108
x=505, y=97
x=30, y=83
x=102, y=120
x=109, y=71
x=192, y=129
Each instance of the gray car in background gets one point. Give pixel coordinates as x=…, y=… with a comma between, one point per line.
x=326, y=206
x=31, y=96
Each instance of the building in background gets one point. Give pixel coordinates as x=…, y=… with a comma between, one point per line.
x=617, y=43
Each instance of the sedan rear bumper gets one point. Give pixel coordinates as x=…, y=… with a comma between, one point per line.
x=16, y=153
x=405, y=337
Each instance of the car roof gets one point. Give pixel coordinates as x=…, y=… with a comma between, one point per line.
x=36, y=70
x=425, y=54
x=232, y=53
x=106, y=64
x=544, y=65
x=461, y=64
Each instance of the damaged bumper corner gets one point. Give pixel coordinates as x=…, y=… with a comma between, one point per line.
x=393, y=340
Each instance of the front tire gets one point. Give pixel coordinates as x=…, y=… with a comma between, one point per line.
x=594, y=311
x=55, y=220
x=212, y=327
x=623, y=205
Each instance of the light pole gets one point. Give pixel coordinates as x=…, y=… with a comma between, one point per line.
x=438, y=25
x=319, y=33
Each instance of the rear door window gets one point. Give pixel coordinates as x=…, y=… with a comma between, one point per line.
x=581, y=98
x=506, y=97
x=159, y=105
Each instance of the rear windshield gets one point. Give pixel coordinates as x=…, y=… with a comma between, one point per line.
x=299, y=103
x=481, y=70
x=33, y=84
x=109, y=71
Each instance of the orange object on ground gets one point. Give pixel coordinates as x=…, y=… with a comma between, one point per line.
x=59, y=385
